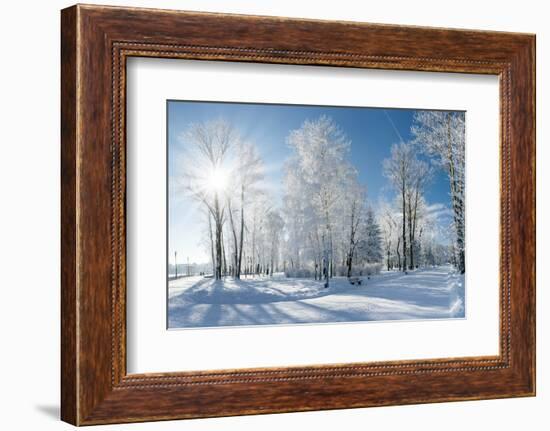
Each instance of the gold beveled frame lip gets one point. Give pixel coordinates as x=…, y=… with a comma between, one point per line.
x=96, y=40
x=122, y=50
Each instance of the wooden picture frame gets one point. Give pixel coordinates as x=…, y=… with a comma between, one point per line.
x=95, y=43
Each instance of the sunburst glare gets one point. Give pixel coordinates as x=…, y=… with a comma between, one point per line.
x=217, y=179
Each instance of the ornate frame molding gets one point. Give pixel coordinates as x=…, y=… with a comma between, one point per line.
x=96, y=41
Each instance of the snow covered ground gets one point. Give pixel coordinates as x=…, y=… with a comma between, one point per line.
x=421, y=294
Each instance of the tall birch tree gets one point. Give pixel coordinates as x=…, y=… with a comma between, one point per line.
x=207, y=146
x=441, y=135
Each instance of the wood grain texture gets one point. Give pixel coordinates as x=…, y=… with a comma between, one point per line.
x=69, y=397
x=96, y=41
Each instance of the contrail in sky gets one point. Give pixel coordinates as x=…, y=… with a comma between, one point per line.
x=393, y=126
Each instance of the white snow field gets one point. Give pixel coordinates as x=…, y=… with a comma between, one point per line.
x=421, y=294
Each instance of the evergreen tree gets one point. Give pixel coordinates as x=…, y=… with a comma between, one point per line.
x=371, y=247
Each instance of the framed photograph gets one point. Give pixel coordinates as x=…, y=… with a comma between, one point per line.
x=270, y=209
x=264, y=215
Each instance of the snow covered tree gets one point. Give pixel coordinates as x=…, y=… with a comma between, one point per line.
x=256, y=225
x=205, y=175
x=354, y=202
x=441, y=135
x=317, y=179
x=397, y=168
x=247, y=173
x=408, y=176
x=371, y=244
x=224, y=174
x=388, y=228
x=274, y=230
x=420, y=175
x=298, y=214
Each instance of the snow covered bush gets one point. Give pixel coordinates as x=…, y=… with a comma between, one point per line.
x=298, y=273
x=369, y=269
x=365, y=269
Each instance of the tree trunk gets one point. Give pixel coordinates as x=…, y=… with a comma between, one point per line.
x=326, y=275
x=236, y=272
x=457, y=206
x=224, y=261
x=419, y=258
x=413, y=223
x=353, y=228
x=398, y=254
x=272, y=263
x=218, y=274
x=253, y=254
x=411, y=238
x=212, y=254
x=242, y=234
x=218, y=225
x=404, y=221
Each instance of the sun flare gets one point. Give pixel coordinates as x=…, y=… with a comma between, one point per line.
x=217, y=180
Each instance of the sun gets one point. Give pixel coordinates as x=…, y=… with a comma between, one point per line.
x=218, y=179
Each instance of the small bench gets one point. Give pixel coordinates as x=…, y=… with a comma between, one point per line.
x=355, y=280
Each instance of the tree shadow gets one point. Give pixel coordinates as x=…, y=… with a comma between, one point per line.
x=391, y=296
x=213, y=315
x=279, y=316
x=249, y=318
x=333, y=316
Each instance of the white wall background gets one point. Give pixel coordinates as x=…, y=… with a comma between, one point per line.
x=29, y=214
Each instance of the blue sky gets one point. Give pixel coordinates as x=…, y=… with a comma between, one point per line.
x=372, y=131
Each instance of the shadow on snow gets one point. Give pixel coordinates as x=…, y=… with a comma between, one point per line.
x=420, y=294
